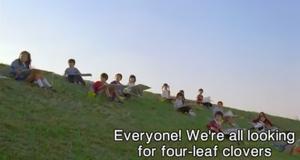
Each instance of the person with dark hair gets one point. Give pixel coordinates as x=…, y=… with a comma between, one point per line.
x=118, y=87
x=100, y=87
x=200, y=97
x=183, y=96
x=131, y=89
x=118, y=79
x=218, y=108
x=166, y=93
x=72, y=74
x=180, y=105
x=216, y=124
x=21, y=70
x=262, y=122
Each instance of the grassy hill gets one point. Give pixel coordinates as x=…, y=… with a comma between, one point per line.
x=40, y=124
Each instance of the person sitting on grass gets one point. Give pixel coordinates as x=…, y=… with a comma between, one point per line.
x=117, y=82
x=166, y=93
x=21, y=70
x=100, y=87
x=132, y=89
x=72, y=74
x=200, y=97
x=183, y=96
x=180, y=105
x=216, y=124
x=118, y=86
x=228, y=115
x=262, y=122
x=218, y=108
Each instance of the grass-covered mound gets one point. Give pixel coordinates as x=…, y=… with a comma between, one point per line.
x=41, y=124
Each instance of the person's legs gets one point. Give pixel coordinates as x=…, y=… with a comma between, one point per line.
x=79, y=79
x=71, y=78
x=46, y=83
x=184, y=109
x=39, y=83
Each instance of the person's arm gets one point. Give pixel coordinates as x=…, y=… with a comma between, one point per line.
x=78, y=72
x=66, y=73
x=15, y=68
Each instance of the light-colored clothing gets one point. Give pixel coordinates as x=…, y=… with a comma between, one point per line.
x=128, y=88
x=72, y=71
x=43, y=83
x=178, y=104
x=165, y=93
x=217, y=109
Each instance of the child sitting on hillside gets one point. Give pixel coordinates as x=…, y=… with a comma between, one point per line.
x=21, y=70
x=200, y=97
x=180, y=105
x=117, y=82
x=183, y=96
x=227, y=116
x=262, y=122
x=100, y=87
x=166, y=93
x=218, y=108
x=132, y=89
x=216, y=124
x=72, y=74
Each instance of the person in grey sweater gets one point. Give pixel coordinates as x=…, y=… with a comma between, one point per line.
x=72, y=74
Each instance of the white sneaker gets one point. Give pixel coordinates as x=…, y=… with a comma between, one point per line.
x=192, y=113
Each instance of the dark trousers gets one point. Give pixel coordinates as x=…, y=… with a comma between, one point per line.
x=76, y=79
x=184, y=109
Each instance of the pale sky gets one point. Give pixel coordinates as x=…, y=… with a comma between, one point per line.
x=245, y=53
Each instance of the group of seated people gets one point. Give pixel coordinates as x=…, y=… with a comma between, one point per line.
x=116, y=90
x=219, y=116
x=21, y=70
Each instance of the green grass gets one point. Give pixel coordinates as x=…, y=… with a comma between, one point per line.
x=40, y=124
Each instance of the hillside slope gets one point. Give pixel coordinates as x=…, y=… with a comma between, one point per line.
x=40, y=124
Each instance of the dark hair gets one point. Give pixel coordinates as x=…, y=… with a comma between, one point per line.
x=179, y=95
x=119, y=75
x=132, y=77
x=267, y=120
x=220, y=102
x=105, y=76
x=165, y=85
x=200, y=90
x=28, y=62
x=72, y=61
x=219, y=113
